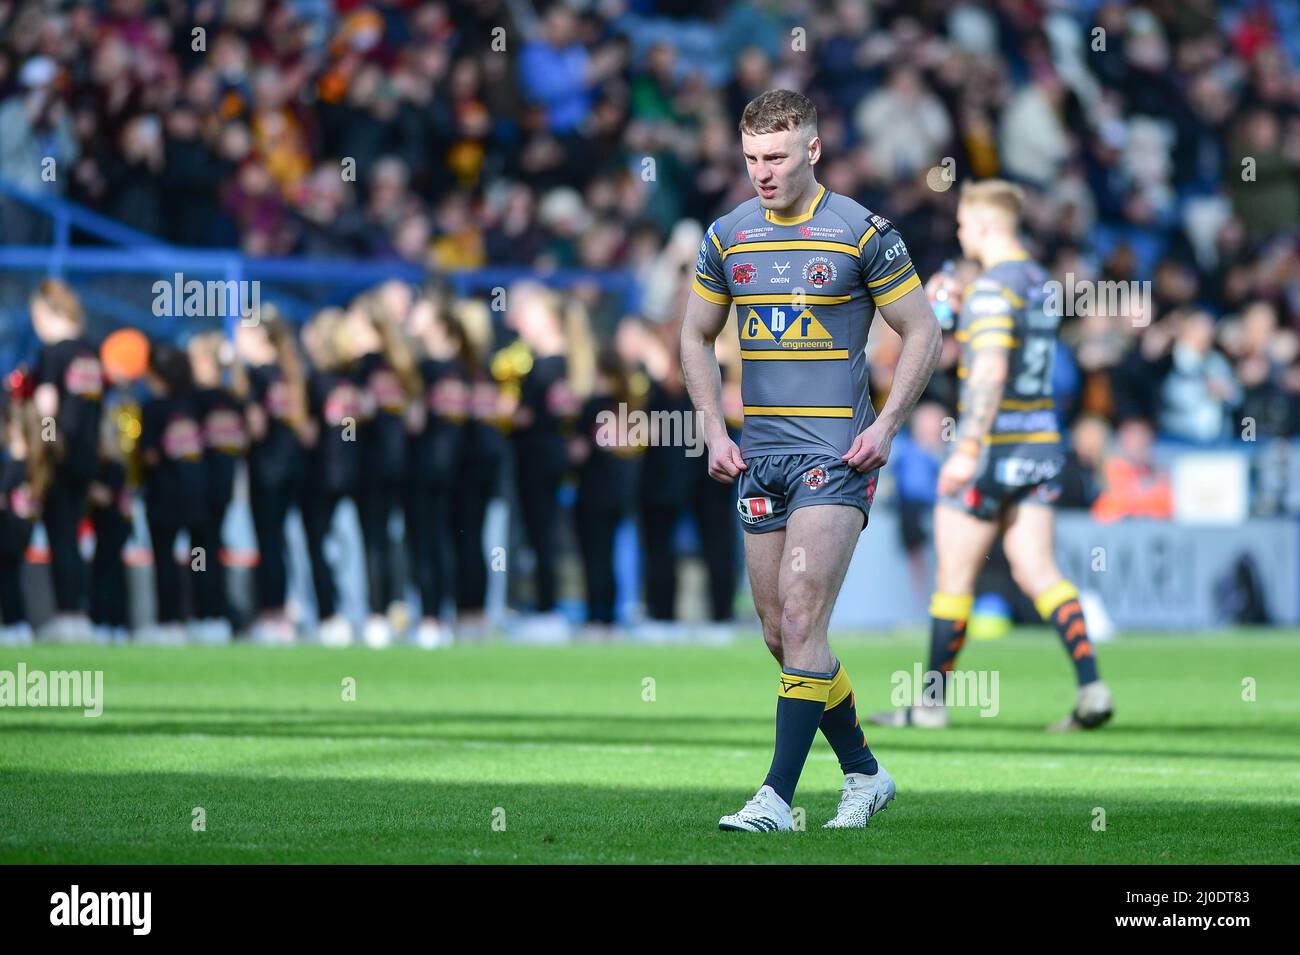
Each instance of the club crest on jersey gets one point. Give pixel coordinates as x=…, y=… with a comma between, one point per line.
x=742, y=273
x=819, y=271
x=754, y=509
x=814, y=478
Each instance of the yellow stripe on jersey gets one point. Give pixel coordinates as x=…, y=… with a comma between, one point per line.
x=782, y=354
x=894, y=294
x=1039, y=404
x=788, y=298
x=1013, y=298
x=798, y=411
x=992, y=339
x=802, y=217
x=717, y=243
x=791, y=245
x=890, y=277
x=1011, y=404
x=717, y=298
x=1023, y=437
x=866, y=237
x=984, y=324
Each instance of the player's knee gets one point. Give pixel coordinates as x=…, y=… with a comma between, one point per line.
x=798, y=619
x=1033, y=573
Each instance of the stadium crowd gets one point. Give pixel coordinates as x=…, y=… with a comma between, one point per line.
x=1159, y=142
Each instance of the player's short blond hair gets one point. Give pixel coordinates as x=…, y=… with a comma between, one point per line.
x=999, y=194
x=778, y=111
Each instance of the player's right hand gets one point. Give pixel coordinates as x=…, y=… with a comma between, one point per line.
x=725, y=462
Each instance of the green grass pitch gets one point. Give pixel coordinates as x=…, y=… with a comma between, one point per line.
x=496, y=754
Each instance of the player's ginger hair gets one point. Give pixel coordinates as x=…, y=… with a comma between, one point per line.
x=1006, y=197
x=777, y=111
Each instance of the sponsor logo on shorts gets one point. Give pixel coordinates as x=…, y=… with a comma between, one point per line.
x=754, y=509
x=814, y=478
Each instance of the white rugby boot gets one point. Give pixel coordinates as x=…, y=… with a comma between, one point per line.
x=862, y=797
x=766, y=812
x=1093, y=706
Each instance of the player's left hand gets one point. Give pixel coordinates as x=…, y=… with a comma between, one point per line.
x=870, y=449
x=957, y=471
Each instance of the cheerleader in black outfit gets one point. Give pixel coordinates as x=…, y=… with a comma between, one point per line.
x=270, y=381
x=435, y=460
x=478, y=480
x=225, y=447
x=607, y=452
x=69, y=389
x=386, y=374
x=333, y=461
x=175, y=484
x=24, y=477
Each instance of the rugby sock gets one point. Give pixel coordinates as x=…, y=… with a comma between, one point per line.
x=841, y=728
x=800, y=702
x=948, y=616
x=1059, y=606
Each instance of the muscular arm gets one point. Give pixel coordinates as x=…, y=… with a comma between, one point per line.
x=981, y=393
x=701, y=326
x=914, y=320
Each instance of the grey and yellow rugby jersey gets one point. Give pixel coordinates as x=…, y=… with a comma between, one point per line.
x=1005, y=308
x=805, y=289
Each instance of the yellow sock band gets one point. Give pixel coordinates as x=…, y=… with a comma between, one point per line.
x=840, y=688
x=796, y=686
x=951, y=606
x=1050, y=599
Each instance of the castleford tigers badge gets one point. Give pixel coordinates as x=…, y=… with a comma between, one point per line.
x=819, y=271
x=814, y=478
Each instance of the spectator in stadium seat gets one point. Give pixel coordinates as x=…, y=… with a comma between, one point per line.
x=556, y=71
x=1081, y=477
x=1199, y=391
x=1132, y=485
x=35, y=127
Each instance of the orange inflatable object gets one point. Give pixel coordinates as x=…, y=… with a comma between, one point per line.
x=125, y=355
